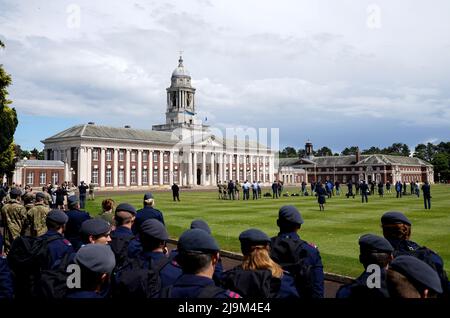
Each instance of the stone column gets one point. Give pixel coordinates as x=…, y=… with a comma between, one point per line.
x=264, y=170
x=245, y=167
x=195, y=168
x=102, y=175
x=213, y=172
x=219, y=161
x=203, y=175
x=271, y=168
x=258, y=162
x=190, y=178
x=116, y=167
x=127, y=168
x=150, y=168
x=238, y=168
x=171, y=172
x=89, y=166
x=161, y=167
x=139, y=167
x=251, y=168
x=230, y=167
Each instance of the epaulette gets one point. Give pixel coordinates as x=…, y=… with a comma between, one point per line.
x=232, y=294
x=67, y=242
x=313, y=245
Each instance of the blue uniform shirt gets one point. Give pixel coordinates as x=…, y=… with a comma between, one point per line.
x=58, y=248
x=169, y=273
x=144, y=214
x=189, y=286
x=359, y=289
x=76, y=218
x=315, y=261
x=121, y=231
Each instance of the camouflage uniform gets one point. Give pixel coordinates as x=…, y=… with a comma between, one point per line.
x=13, y=219
x=36, y=219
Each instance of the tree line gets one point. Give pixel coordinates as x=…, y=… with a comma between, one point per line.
x=436, y=154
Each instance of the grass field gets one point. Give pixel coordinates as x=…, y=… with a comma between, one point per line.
x=335, y=231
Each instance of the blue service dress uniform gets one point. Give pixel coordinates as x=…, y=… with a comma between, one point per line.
x=169, y=273
x=58, y=248
x=359, y=289
x=72, y=232
x=146, y=213
x=6, y=282
x=190, y=286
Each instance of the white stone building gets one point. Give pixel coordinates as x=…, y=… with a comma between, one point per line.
x=182, y=151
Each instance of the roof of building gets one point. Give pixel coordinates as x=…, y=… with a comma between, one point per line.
x=40, y=163
x=351, y=160
x=105, y=132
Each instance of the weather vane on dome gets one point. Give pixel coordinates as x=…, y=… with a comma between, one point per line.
x=180, y=61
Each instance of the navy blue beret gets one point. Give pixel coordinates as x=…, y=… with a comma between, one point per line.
x=197, y=240
x=148, y=196
x=374, y=243
x=155, y=229
x=200, y=224
x=125, y=207
x=40, y=195
x=253, y=237
x=98, y=258
x=58, y=216
x=15, y=191
x=95, y=227
x=417, y=271
x=290, y=214
x=72, y=200
x=394, y=217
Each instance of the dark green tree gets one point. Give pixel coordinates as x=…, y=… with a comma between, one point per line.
x=371, y=151
x=349, y=151
x=8, y=123
x=288, y=152
x=324, y=151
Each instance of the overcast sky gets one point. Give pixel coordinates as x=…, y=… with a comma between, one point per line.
x=339, y=73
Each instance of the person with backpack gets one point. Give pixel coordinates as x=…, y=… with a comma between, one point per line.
x=36, y=216
x=374, y=250
x=13, y=218
x=122, y=235
x=259, y=276
x=147, y=212
x=198, y=256
x=397, y=230
x=96, y=263
x=300, y=258
x=76, y=219
x=409, y=277
x=143, y=276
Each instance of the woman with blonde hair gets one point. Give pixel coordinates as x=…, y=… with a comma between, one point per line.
x=259, y=275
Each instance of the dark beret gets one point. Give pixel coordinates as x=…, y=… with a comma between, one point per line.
x=148, y=196
x=197, y=240
x=200, y=224
x=394, y=217
x=57, y=216
x=155, y=229
x=95, y=227
x=252, y=237
x=72, y=200
x=125, y=207
x=15, y=191
x=290, y=214
x=374, y=243
x=97, y=258
x=40, y=195
x=417, y=271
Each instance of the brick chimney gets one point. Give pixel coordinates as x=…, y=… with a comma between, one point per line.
x=357, y=155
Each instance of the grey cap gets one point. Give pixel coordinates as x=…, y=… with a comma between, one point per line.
x=197, y=240
x=97, y=258
x=394, y=217
x=155, y=229
x=417, y=271
x=374, y=243
x=148, y=196
x=290, y=214
x=252, y=237
x=58, y=216
x=95, y=227
x=15, y=191
x=72, y=200
x=200, y=224
x=40, y=195
x=126, y=207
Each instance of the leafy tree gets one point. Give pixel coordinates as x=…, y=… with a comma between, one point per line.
x=371, y=151
x=288, y=152
x=37, y=154
x=397, y=149
x=324, y=151
x=8, y=123
x=301, y=153
x=420, y=151
x=349, y=151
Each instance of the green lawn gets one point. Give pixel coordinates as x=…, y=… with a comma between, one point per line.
x=335, y=231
